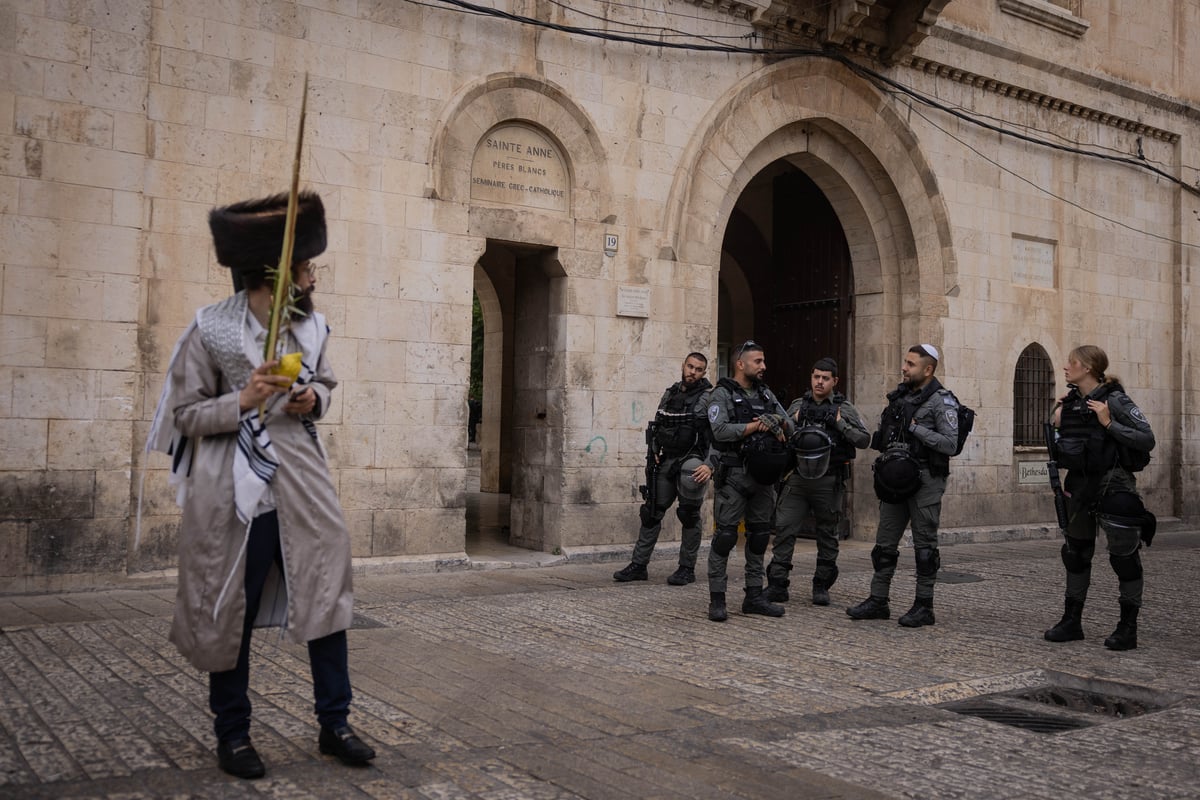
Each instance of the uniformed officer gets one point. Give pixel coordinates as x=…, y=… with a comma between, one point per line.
x=677, y=443
x=1103, y=438
x=749, y=430
x=829, y=430
x=921, y=420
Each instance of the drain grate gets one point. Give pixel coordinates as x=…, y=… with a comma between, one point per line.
x=1018, y=718
x=360, y=622
x=1091, y=702
x=1064, y=703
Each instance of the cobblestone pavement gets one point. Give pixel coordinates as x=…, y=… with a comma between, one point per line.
x=556, y=683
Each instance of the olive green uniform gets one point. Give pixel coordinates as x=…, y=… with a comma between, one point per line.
x=823, y=496
x=738, y=494
x=932, y=436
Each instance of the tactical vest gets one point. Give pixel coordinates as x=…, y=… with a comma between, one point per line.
x=745, y=408
x=825, y=415
x=1084, y=445
x=764, y=457
x=677, y=429
x=899, y=415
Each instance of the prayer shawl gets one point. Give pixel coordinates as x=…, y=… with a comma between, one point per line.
x=223, y=331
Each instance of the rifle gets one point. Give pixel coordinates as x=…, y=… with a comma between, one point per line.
x=649, y=490
x=1060, y=499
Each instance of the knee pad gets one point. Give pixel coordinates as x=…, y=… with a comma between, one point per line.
x=881, y=558
x=650, y=515
x=724, y=541
x=689, y=516
x=1128, y=568
x=1077, y=554
x=929, y=560
x=757, y=541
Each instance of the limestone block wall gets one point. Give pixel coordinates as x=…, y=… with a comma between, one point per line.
x=123, y=122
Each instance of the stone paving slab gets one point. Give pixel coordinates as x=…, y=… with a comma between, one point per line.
x=554, y=682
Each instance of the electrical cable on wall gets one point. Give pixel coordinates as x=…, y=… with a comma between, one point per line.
x=882, y=82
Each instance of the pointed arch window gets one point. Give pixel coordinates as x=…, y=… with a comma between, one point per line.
x=1033, y=395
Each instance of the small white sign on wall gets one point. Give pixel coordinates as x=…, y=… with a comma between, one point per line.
x=633, y=301
x=1032, y=262
x=1033, y=472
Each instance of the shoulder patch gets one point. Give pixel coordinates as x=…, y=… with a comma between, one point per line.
x=1137, y=414
x=949, y=400
x=713, y=411
x=952, y=419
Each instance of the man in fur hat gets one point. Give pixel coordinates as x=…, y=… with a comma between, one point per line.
x=263, y=541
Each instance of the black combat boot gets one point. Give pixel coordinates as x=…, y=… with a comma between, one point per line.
x=716, y=607
x=777, y=589
x=632, y=572
x=682, y=576
x=756, y=603
x=871, y=608
x=1125, y=636
x=820, y=593
x=1070, y=627
x=920, y=614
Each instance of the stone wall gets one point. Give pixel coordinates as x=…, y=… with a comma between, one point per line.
x=123, y=122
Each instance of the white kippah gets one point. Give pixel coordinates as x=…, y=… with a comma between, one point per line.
x=931, y=351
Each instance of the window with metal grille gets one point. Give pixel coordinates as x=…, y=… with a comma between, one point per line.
x=1033, y=396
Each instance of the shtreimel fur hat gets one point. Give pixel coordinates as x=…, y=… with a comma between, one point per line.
x=249, y=235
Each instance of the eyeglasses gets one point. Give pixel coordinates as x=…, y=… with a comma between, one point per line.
x=313, y=271
x=749, y=344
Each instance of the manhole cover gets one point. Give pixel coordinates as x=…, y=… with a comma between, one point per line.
x=945, y=576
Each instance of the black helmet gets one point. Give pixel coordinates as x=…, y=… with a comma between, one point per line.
x=765, y=457
x=813, y=447
x=897, y=475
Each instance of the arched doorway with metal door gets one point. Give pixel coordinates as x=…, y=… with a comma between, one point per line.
x=785, y=245
x=786, y=281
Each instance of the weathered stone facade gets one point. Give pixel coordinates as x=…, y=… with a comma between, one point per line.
x=123, y=122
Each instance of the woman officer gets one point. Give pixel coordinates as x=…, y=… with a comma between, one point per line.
x=1103, y=438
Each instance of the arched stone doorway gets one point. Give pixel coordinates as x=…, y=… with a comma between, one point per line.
x=785, y=244
x=826, y=135
x=510, y=235
x=516, y=285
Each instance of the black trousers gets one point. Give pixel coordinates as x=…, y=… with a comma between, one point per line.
x=228, y=696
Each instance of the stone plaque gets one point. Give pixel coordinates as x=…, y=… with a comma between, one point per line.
x=1033, y=262
x=1033, y=472
x=518, y=166
x=633, y=301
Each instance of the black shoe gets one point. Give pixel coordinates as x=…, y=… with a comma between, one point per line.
x=820, y=595
x=756, y=603
x=345, y=744
x=920, y=614
x=631, y=572
x=240, y=759
x=1070, y=627
x=777, y=592
x=716, y=607
x=682, y=576
x=871, y=608
x=1125, y=636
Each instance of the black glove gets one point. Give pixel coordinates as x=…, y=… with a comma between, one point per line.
x=1149, y=528
x=772, y=423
